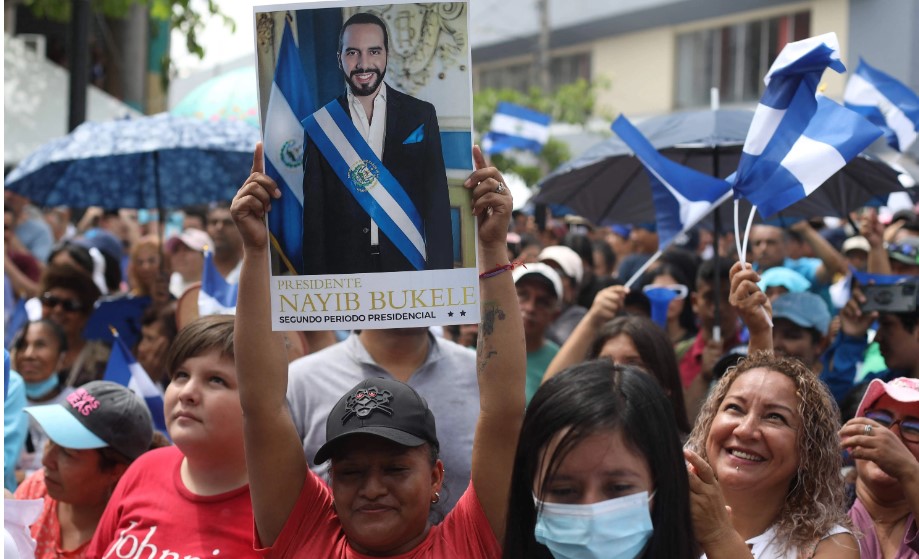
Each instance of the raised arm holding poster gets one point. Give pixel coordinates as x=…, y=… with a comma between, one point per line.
x=366, y=114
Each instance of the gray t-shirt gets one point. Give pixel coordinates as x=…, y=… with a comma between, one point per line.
x=447, y=381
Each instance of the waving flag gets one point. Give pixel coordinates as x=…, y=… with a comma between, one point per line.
x=682, y=196
x=798, y=140
x=289, y=103
x=123, y=369
x=886, y=102
x=216, y=295
x=516, y=127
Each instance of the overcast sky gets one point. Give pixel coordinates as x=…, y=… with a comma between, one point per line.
x=220, y=44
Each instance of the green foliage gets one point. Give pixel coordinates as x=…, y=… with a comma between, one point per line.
x=572, y=103
x=182, y=17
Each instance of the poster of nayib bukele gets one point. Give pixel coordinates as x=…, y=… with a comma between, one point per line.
x=366, y=114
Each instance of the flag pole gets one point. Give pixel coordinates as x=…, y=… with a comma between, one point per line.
x=643, y=268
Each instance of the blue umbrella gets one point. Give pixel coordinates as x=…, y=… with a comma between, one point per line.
x=159, y=161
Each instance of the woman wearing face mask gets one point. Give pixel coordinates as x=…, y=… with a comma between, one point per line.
x=766, y=445
x=38, y=353
x=884, y=440
x=598, y=471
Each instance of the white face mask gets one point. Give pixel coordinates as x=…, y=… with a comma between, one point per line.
x=614, y=529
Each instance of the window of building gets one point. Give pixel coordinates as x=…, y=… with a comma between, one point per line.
x=733, y=58
x=562, y=71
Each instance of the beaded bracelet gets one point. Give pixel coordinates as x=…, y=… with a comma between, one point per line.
x=501, y=270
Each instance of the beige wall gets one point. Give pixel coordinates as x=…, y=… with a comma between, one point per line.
x=639, y=67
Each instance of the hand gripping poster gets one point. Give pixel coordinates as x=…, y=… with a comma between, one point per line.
x=366, y=113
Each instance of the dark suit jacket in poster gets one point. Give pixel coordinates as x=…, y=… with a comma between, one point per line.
x=336, y=229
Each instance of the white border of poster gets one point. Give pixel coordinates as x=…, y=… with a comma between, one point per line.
x=442, y=77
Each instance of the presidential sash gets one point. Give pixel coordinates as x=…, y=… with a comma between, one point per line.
x=365, y=177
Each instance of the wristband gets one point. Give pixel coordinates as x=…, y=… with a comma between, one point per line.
x=500, y=270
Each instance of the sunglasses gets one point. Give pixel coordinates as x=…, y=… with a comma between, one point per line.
x=910, y=251
x=680, y=291
x=69, y=305
x=909, y=426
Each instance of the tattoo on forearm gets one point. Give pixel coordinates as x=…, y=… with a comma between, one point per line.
x=484, y=357
x=490, y=312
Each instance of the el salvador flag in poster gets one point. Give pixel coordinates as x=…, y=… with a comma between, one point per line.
x=289, y=103
x=886, y=102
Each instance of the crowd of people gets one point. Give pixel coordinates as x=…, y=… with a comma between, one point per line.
x=770, y=409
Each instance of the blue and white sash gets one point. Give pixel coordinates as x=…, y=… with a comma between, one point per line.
x=365, y=177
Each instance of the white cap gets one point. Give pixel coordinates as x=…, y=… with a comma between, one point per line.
x=540, y=269
x=567, y=259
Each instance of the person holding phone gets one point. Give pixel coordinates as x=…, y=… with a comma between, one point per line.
x=897, y=335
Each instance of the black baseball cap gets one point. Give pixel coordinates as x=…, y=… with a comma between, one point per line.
x=98, y=414
x=381, y=407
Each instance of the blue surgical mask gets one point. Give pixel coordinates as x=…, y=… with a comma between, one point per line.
x=35, y=390
x=615, y=529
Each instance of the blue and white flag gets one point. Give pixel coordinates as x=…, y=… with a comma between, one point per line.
x=123, y=369
x=886, y=102
x=289, y=103
x=216, y=295
x=516, y=127
x=682, y=196
x=16, y=315
x=797, y=139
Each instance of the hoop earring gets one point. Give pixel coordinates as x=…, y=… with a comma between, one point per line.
x=436, y=498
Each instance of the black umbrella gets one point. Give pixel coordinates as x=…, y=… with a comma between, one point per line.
x=607, y=184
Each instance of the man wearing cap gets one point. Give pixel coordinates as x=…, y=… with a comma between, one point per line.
x=897, y=337
x=441, y=371
x=856, y=250
x=540, y=292
x=904, y=256
x=800, y=324
x=186, y=256
x=570, y=269
x=883, y=438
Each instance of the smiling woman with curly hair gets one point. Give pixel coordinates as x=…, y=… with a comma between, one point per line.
x=766, y=445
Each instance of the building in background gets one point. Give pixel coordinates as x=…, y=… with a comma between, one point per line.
x=656, y=56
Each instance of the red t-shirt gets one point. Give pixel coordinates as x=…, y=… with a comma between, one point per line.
x=46, y=531
x=153, y=515
x=313, y=530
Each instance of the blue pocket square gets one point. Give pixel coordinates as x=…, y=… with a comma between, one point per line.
x=416, y=136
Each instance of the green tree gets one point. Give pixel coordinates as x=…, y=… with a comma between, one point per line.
x=182, y=16
x=573, y=103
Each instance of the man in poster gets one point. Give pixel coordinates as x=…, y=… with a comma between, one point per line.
x=375, y=186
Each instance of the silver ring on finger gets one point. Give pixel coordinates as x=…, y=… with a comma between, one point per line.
x=867, y=430
x=500, y=188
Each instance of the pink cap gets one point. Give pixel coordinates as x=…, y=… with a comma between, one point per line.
x=194, y=239
x=902, y=389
